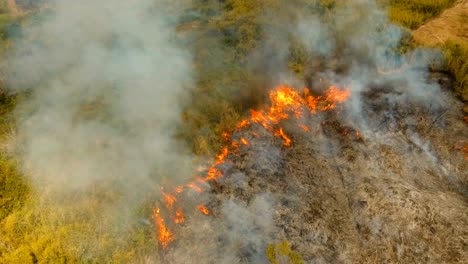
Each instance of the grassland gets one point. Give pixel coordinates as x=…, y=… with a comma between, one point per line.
x=413, y=13
x=36, y=230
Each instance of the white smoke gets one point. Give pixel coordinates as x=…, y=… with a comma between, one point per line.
x=359, y=48
x=106, y=79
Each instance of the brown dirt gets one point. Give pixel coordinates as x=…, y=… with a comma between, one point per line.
x=452, y=24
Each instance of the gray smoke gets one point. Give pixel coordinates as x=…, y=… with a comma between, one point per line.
x=106, y=79
x=359, y=48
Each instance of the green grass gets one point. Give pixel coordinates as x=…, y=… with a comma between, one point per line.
x=413, y=13
x=283, y=251
x=456, y=55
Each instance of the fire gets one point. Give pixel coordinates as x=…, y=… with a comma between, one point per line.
x=222, y=156
x=244, y=142
x=287, y=140
x=164, y=235
x=178, y=189
x=225, y=136
x=179, y=217
x=285, y=99
x=213, y=174
x=169, y=199
x=243, y=124
x=304, y=127
x=203, y=209
x=194, y=187
x=286, y=103
x=259, y=118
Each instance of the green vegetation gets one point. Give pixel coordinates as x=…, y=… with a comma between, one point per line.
x=456, y=55
x=76, y=231
x=413, y=13
x=35, y=229
x=283, y=252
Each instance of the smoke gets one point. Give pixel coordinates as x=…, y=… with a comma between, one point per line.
x=239, y=234
x=106, y=80
x=360, y=48
x=104, y=83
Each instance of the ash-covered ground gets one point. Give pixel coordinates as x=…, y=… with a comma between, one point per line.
x=388, y=189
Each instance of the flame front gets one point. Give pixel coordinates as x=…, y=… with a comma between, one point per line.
x=286, y=103
x=164, y=235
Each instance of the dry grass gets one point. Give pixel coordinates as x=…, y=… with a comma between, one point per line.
x=413, y=13
x=449, y=31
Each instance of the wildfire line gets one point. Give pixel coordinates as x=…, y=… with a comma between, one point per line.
x=286, y=103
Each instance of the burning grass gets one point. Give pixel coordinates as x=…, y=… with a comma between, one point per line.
x=392, y=215
x=285, y=103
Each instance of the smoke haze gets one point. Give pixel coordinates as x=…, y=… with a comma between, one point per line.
x=107, y=82
x=106, y=79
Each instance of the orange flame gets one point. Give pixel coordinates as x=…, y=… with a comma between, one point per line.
x=235, y=144
x=222, y=156
x=169, y=199
x=179, y=217
x=286, y=102
x=194, y=187
x=225, y=136
x=287, y=140
x=203, y=209
x=245, y=142
x=178, y=189
x=243, y=124
x=213, y=174
x=304, y=127
x=164, y=235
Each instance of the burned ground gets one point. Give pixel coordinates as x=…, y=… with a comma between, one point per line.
x=395, y=192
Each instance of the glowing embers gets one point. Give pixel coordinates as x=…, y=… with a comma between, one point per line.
x=285, y=103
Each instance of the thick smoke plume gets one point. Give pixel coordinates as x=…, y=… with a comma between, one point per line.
x=106, y=79
x=104, y=83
